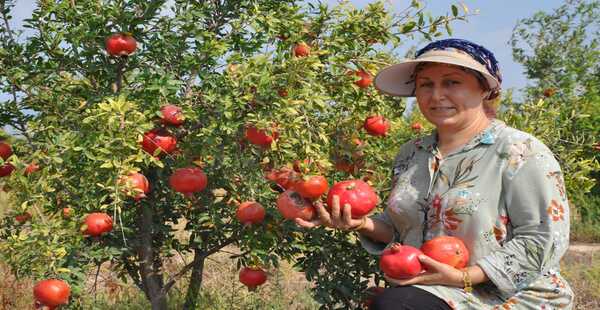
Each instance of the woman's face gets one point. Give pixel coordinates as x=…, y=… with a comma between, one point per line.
x=449, y=97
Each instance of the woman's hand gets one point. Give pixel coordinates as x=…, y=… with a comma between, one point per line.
x=438, y=273
x=339, y=218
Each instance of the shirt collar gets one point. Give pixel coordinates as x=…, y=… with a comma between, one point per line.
x=487, y=136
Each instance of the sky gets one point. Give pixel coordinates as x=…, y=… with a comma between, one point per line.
x=491, y=27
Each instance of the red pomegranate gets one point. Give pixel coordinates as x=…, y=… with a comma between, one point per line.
x=312, y=187
x=250, y=212
x=301, y=50
x=136, y=185
x=52, y=292
x=5, y=150
x=365, y=79
x=6, y=169
x=448, y=250
x=260, y=137
x=416, y=127
x=252, y=277
x=120, y=44
x=401, y=261
x=31, y=168
x=284, y=177
x=23, y=217
x=292, y=205
x=172, y=115
x=97, y=224
x=158, y=139
x=188, y=180
x=376, y=125
x=361, y=197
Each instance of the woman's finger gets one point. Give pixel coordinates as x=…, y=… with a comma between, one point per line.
x=307, y=224
x=430, y=263
x=347, y=216
x=335, y=211
x=324, y=216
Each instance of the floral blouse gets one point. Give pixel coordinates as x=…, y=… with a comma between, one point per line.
x=503, y=194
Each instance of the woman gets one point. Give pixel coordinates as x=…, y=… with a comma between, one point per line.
x=498, y=189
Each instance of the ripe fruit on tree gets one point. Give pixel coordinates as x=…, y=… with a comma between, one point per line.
x=66, y=212
x=6, y=169
x=172, y=115
x=188, y=180
x=361, y=197
x=301, y=50
x=252, y=277
x=5, y=150
x=401, y=261
x=312, y=187
x=158, y=139
x=284, y=177
x=136, y=185
x=120, y=44
x=250, y=212
x=31, y=168
x=260, y=136
x=97, y=223
x=52, y=292
x=23, y=217
x=282, y=93
x=549, y=92
x=291, y=205
x=365, y=78
x=376, y=125
x=448, y=250
x=416, y=127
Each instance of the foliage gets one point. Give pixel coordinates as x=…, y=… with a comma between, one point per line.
x=561, y=55
x=80, y=115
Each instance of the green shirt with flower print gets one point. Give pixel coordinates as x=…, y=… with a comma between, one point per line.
x=503, y=194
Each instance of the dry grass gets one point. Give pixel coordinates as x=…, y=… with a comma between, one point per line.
x=582, y=270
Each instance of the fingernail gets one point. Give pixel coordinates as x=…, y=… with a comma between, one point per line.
x=422, y=257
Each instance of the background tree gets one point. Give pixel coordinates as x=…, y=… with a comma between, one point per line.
x=80, y=115
x=561, y=54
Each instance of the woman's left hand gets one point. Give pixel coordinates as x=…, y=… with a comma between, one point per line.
x=438, y=273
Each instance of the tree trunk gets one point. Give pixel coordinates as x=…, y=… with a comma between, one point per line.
x=151, y=278
x=191, y=297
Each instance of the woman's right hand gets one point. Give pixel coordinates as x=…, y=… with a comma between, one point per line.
x=339, y=218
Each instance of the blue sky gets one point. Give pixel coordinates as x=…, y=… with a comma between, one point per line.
x=491, y=27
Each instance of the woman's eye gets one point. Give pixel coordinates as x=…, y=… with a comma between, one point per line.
x=425, y=85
